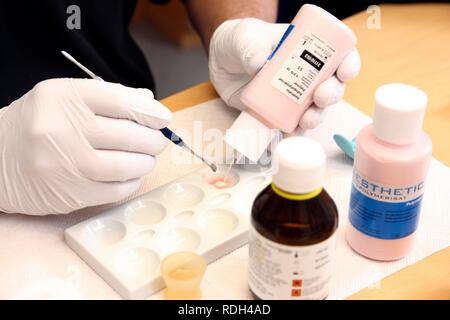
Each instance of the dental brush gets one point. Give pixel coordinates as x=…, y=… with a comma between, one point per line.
x=169, y=134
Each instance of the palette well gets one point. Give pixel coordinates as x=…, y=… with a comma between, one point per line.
x=196, y=213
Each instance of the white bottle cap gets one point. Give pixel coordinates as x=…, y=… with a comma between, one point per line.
x=300, y=165
x=399, y=113
x=249, y=136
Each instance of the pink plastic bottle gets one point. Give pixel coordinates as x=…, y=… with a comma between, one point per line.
x=310, y=52
x=391, y=163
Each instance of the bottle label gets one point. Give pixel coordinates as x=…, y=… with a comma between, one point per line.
x=302, y=66
x=281, y=272
x=384, y=211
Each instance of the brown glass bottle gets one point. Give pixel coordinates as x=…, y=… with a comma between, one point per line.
x=293, y=223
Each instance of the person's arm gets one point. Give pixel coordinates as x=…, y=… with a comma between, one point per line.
x=207, y=15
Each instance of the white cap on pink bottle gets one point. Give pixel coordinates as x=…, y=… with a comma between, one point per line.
x=399, y=113
x=300, y=165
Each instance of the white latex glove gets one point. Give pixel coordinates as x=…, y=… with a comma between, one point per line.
x=240, y=48
x=73, y=143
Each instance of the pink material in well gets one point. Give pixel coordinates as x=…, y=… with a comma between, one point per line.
x=220, y=182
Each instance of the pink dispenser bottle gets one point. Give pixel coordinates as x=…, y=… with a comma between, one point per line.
x=310, y=52
x=391, y=163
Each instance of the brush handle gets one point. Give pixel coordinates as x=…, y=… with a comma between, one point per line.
x=169, y=134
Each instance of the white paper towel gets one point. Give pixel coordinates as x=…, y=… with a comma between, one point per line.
x=36, y=263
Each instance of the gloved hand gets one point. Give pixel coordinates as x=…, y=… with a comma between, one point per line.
x=73, y=143
x=239, y=49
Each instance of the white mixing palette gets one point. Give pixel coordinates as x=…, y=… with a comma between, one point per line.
x=125, y=245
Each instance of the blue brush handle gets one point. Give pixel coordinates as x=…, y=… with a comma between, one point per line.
x=169, y=134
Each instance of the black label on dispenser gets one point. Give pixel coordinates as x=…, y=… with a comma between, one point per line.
x=302, y=66
x=312, y=60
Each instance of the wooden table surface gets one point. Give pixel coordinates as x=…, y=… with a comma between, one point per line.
x=412, y=46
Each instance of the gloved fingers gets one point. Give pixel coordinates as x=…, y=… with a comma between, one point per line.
x=115, y=166
x=254, y=48
x=109, y=192
x=311, y=118
x=329, y=92
x=235, y=100
x=238, y=50
x=116, y=101
x=350, y=67
x=255, y=61
x=125, y=135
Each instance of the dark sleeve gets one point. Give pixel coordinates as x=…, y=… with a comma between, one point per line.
x=160, y=1
x=163, y=1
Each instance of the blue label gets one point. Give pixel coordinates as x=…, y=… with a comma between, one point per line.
x=384, y=212
x=285, y=35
